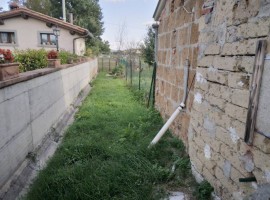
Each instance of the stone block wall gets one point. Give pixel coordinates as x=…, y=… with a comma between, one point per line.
x=227, y=41
x=178, y=41
x=222, y=54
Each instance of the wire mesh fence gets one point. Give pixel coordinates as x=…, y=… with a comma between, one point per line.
x=137, y=74
x=107, y=63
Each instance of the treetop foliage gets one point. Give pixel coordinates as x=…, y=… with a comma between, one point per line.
x=148, y=48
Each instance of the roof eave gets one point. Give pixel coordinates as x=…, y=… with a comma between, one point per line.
x=61, y=24
x=160, y=6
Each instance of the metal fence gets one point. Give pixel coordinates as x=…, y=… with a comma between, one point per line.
x=107, y=63
x=137, y=74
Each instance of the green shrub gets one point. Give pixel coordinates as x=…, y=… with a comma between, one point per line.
x=31, y=59
x=118, y=70
x=89, y=53
x=67, y=57
x=203, y=191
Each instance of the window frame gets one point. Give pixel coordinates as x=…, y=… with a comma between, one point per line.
x=39, y=39
x=15, y=38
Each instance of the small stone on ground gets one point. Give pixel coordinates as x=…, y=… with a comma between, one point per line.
x=177, y=196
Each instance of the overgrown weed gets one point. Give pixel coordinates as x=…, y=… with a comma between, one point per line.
x=105, y=154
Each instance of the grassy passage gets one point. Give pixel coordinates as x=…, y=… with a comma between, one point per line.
x=104, y=154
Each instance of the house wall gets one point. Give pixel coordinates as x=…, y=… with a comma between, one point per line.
x=28, y=37
x=29, y=109
x=178, y=40
x=227, y=41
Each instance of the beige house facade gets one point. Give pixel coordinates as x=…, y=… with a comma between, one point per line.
x=22, y=29
x=223, y=42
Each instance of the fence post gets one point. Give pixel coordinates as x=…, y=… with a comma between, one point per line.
x=140, y=70
x=126, y=64
x=109, y=63
x=130, y=72
x=102, y=63
x=154, y=84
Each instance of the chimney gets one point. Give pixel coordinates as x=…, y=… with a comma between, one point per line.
x=13, y=6
x=71, y=18
x=64, y=10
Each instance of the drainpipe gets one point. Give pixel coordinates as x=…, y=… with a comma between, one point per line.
x=88, y=34
x=178, y=109
x=155, y=27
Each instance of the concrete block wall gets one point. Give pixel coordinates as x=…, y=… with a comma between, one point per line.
x=29, y=109
x=178, y=40
x=227, y=43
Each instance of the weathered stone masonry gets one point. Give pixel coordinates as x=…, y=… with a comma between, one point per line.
x=178, y=40
x=221, y=51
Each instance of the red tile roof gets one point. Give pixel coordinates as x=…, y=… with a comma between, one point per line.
x=24, y=12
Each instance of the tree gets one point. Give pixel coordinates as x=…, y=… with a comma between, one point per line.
x=105, y=47
x=42, y=6
x=87, y=14
x=98, y=46
x=121, y=36
x=148, y=48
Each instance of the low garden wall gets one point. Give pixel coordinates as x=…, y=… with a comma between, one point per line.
x=31, y=104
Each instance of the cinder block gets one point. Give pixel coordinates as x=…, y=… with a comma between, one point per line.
x=5, y=166
x=15, y=117
x=20, y=146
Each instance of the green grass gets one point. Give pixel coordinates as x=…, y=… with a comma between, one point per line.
x=104, y=154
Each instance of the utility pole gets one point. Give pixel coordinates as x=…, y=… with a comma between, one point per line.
x=64, y=10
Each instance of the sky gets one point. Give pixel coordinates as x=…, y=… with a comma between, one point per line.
x=135, y=14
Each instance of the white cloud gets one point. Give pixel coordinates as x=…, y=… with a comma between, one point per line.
x=115, y=1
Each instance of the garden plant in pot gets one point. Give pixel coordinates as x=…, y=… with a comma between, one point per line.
x=53, y=60
x=8, y=69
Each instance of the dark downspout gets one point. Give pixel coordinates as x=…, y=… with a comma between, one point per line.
x=88, y=34
x=155, y=26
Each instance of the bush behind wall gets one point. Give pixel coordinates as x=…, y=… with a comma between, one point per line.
x=31, y=59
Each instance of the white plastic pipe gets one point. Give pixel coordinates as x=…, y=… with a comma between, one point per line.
x=166, y=126
x=178, y=109
x=185, y=82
